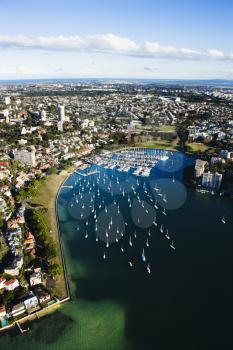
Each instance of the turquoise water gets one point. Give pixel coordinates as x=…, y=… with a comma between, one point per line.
x=186, y=301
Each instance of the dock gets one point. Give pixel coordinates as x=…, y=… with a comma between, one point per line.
x=87, y=174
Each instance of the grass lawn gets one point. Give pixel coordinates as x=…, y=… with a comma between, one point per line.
x=166, y=128
x=46, y=198
x=160, y=144
x=197, y=147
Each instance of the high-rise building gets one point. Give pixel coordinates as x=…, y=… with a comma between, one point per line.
x=43, y=116
x=61, y=112
x=200, y=167
x=7, y=100
x=212, y=181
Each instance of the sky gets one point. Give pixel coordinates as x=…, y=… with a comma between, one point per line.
x=154, y=39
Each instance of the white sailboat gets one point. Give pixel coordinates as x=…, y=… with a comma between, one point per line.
x=104, y=256
x=167, y=235
x=148, y=268
x=130, y=264
x=172, y=245
x=143, y=255
x=86, y=235
x=223, y=220
x=122, y=249
x=161, y=228
x=164, y=211
x=130, y=241
x=147, y=242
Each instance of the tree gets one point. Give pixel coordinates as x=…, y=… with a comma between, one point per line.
x=55, y=270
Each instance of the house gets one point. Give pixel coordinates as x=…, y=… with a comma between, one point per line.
x=15, y=266
x=11, y=284
x=18, y=309
x=43, y=296
x=2, y=311
x=2, y=282
x=31, y=303
x=29, y=242
x=35, y=278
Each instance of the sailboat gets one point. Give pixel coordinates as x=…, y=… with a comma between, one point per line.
x=86, y=235
x=223, y=220
x=104, y=256
x=161, y=228
x=164, y=198
x=149, y=233
x=107, y=244
x=164, y=211
x=148, y=268
x=122, y=249
x=156, y=206
x=130, y=264
x=96, y=239
x=173, y=179
x=172, y=245
x=147, y=243
x=130, y=241
x=167, y=235
x=143, y=255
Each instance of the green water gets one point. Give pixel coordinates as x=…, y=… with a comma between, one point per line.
x=186, y=303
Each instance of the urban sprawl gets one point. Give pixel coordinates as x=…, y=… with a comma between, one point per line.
x=49, y=129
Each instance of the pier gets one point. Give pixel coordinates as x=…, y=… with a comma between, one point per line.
x=87, y=174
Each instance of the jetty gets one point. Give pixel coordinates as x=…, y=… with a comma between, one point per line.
x=87, y=174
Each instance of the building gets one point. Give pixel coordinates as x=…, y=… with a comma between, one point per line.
x=7, y=100
x=43, y=116
x=35, y=279
x=31, y=303
x=200, y=167
x=212, y=181
x=2, y=282
x=11, y=284
x=18, y=309
x=60, y=126
x=25, y=156
x=226, y=154
x=2, y=311
x=61, y=113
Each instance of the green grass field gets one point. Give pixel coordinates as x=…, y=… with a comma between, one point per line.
x=46, y=198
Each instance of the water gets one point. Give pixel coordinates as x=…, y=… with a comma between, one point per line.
x=185, y=303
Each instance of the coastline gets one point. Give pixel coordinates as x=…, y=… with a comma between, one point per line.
x=56, y=230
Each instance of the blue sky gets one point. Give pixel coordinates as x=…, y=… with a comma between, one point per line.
x=100, y=38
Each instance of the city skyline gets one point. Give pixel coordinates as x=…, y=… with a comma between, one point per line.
x=119, y=40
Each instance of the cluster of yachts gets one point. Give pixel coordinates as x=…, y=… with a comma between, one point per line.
x=138, y=159
x=111, y=231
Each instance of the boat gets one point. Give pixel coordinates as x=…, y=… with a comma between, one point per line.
x=164, y=211
x=147, y=243
x=122, y=249
x=86, y=235
x=167, y=235
x=130, y=241
x=148, y=268
x=161, y=228
x=172, y=245
x=223, y=220
x=143, y=255
x=130, y=264
x=104, y=256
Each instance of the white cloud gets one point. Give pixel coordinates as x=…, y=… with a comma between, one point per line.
x=22, y=70
x=107, y=43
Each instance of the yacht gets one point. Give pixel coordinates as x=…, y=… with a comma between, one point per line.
x=148, y=268
x=223, y=220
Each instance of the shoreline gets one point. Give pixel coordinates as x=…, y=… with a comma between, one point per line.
x=53, y=307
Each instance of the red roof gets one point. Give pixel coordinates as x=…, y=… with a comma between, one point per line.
x=4, y=164
x=10, y=282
